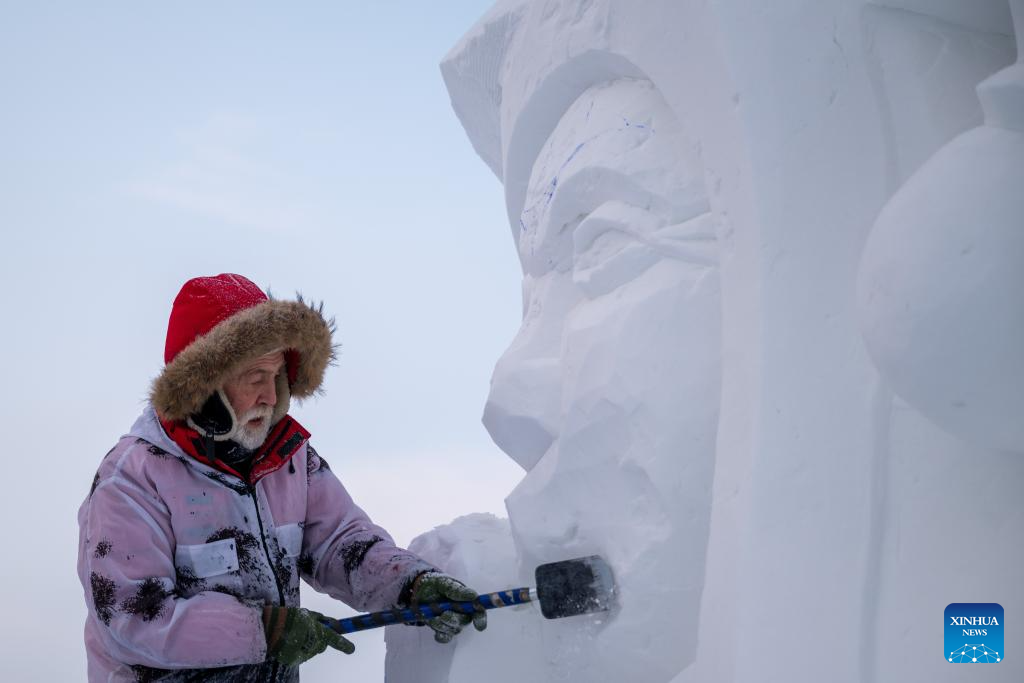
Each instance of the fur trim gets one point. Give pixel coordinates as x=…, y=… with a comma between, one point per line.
x=202, y=367
x=284, y=397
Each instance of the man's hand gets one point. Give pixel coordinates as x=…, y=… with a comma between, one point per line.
x=295, y=634
x=438, y=587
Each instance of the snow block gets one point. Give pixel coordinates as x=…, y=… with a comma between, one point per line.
x=769, y=364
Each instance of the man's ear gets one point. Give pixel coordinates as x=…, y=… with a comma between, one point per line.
x=215, y=418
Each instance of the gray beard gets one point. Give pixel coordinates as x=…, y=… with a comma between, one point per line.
x=251, y=439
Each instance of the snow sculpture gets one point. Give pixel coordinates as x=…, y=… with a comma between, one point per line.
x=829, y=546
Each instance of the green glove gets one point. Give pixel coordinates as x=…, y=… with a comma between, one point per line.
x=438, y=587
x=295, y=634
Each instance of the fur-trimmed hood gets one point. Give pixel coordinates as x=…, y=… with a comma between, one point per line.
x=201, y=368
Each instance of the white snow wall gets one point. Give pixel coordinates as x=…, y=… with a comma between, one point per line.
x=771, y=355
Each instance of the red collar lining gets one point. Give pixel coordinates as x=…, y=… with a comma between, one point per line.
x=283, y=441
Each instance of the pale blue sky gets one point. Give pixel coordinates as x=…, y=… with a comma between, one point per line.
x=309, y=146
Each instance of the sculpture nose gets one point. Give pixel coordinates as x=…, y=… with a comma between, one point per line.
x=523, y=407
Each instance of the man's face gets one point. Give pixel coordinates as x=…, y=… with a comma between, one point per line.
x=252, y=392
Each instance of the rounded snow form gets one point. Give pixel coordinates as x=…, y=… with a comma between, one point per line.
x=941, y=280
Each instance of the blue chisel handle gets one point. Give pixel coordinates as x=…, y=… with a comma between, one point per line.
x=425, y=612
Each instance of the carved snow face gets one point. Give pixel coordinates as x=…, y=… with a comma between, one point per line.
x=615, y=217
x=609, y=393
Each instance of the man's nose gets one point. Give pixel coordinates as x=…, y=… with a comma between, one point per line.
x=268, y=393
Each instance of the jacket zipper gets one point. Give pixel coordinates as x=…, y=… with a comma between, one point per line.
x=266, y=548
x=270, y=563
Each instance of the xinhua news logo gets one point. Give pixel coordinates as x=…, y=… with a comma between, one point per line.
x=974, y=633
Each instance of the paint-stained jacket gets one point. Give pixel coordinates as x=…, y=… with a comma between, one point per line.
x=178, y=559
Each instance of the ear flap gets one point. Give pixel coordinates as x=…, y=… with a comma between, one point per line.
x=215, y=418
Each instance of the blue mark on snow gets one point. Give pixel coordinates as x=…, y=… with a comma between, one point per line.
x=550, y=192
x=529, y=213
x=572, y=156
x=630, y=124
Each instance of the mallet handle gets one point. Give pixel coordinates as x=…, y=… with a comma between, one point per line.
x=362, y=622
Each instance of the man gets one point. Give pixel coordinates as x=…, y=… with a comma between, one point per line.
x=201, y=520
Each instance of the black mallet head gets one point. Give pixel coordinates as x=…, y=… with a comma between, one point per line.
x=571, y=587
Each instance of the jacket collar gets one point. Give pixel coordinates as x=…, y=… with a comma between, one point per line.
x=282, y=443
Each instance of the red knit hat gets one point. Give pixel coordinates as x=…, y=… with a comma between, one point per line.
x=217, y=323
